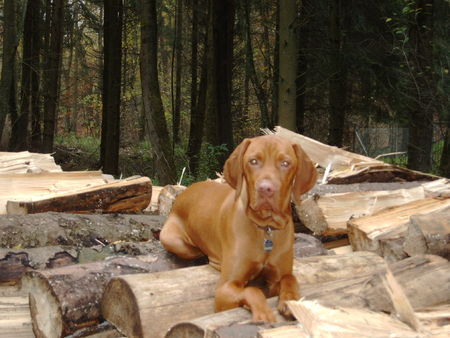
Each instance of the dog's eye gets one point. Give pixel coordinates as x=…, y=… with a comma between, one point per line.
x=285, y=164
x=253, y=161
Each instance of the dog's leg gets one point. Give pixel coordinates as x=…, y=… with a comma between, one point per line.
x=173, y=238
x=232, y=294
x=289, y=290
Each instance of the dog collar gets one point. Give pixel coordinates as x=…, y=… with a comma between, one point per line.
x=267, y=243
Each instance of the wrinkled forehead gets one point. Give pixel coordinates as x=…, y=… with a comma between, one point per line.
x=270, y=145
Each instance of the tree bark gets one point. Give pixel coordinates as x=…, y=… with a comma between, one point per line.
x=52, y=73
x=153, y=107
x=7, y=82
x=302, y=66
x=109, y=148
x=36, y=133
x=288, y=65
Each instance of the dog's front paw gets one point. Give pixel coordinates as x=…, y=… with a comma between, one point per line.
x=284, y=310
x=265, y=315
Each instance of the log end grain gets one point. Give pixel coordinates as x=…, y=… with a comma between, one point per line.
x=118, y=299
x=185, y=330
x=45, y=311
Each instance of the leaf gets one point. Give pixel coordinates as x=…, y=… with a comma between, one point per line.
x=388, y=20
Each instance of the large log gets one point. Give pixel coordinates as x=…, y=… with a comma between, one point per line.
x=147, y=305
x=14, y=263
x=129, y=195
x=429, y=234
x=384, y=232
x=425, y=280
x=328, y=215
x=53, y=229
x=67, y=299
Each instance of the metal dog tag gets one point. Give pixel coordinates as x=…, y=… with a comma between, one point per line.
x=268, y=245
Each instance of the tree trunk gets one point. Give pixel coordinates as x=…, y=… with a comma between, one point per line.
x=302, y=67
x=276, y=69
x=153, y=107
x=338, y=78
x=19, y=132
x=423, y=87
x=220, y=64
x=178, y=73
x=197, y=113
x=288, y=64
x=52, y=72
x=36, y=133
x=7, y=82
x=112, y=28
x=259, y=91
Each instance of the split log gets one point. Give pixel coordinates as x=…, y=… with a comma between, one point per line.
x=429, y=234
x=53, y=229
x=359, y=291
x=26, y=162
x=384, y=232
x=167, y=197
x=321, y=153
x=328, y=215
x=15, y=320
x=319, y=321
x=17, y=186
x=376, y=172
x=425, y=280
x=147, y=305
x=67, y=299
x=129, y=195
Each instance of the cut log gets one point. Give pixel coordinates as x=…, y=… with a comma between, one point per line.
x=429, y=234
x=384, y=232
x=167, y=196
x=129, y=195
x=66, y=299
x=321, y=321
x=328, y=215
x=147, y=305
x=26, y=162
x=54, y=229
x=15, y=320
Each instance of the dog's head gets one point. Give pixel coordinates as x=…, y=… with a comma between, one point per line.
x=273, y=171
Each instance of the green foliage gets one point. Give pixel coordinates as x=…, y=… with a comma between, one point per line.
x=86, y=143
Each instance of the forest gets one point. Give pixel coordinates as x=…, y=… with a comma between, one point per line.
x=179, y=83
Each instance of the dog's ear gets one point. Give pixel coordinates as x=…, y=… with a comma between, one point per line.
x=233, y=170
x=306, y=175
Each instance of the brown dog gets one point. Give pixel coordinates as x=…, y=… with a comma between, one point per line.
x=245, y=227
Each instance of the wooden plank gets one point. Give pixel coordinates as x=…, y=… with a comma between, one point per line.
x=129, y=195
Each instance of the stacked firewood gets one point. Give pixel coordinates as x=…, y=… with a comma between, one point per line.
x=392, y=226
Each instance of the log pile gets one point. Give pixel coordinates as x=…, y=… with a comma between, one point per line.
x=387, y=228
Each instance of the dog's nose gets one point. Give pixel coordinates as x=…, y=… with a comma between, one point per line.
x=266, y=188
